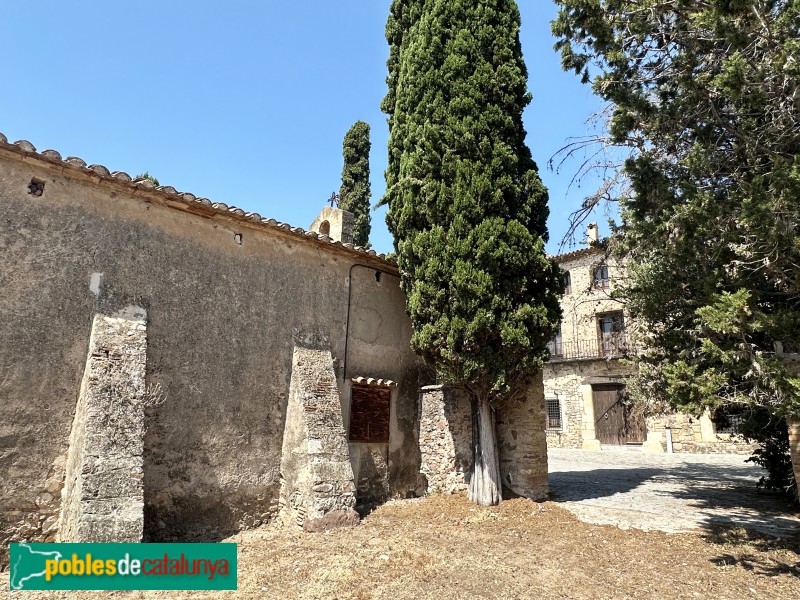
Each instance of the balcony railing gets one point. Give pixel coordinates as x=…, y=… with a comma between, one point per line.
x=610, y=347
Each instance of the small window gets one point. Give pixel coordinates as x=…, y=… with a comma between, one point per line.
x=369, y=414
x=553, y=406
x=567, y=283
x=600, y=278
x=325, y=228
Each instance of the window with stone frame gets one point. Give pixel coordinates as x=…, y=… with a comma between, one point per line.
x=600, y=277
x=370, y=408
x=553, y=407
x=567, y=283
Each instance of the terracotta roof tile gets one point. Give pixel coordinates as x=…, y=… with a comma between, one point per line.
x=170, y=193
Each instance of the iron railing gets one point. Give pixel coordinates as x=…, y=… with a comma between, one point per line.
x=614, y=346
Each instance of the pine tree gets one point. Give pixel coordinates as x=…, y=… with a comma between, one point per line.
x=467, y=207
x=355, y=193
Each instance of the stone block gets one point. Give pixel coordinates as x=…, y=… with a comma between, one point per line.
x=590, y=444
x=653, y=443
x=333, y=520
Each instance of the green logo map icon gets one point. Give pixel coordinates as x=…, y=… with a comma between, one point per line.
x=123, y=566
x=27, y=564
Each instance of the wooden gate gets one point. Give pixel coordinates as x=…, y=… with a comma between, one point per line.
x=613, y=422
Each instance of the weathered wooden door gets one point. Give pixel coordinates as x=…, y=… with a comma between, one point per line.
x=613, y=423
x=609, y=414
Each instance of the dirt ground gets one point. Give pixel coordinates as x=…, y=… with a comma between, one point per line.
x=446, y=547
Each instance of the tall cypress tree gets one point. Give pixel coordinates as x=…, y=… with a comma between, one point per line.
x=467, y=208
x=355, y=193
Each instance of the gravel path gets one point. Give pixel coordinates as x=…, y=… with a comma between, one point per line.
x=666, y=492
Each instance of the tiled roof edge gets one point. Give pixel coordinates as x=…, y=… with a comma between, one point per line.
x=575, y=254
x=169, y=193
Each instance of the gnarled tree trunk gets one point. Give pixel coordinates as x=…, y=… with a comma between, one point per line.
x=484, y=487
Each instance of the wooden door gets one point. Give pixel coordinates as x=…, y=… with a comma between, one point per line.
x=609, y=414
x=613, y=422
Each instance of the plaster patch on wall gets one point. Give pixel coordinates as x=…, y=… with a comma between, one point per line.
x=94, y=283
x=367, y=324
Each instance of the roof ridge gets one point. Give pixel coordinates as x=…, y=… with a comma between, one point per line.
x=168, y=192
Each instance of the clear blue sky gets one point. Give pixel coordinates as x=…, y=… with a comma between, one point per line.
x=243, y=102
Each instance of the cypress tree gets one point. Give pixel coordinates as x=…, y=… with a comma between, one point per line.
x=355, y=193
x=467, y=207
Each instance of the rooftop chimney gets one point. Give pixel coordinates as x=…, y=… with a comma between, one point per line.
x=336, y=223
x=591, y=233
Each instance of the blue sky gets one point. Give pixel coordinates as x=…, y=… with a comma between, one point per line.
x=243, y=102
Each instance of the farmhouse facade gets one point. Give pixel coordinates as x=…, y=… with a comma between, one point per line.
x=177, y=369
x=585, y=379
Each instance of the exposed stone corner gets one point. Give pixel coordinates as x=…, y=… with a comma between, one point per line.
x=103, y=498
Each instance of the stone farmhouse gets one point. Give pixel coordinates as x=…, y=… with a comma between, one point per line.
x=585, y=379
x=175, y=369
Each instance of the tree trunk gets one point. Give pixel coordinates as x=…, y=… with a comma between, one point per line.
x=794, y=449
x=484, y=487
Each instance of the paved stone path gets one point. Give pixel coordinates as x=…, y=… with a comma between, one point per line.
x=666, y=492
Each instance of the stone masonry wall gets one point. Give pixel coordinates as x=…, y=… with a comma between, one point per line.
x=697, y=435
x=583, y=302
x=563, y=383
x=317, y=478
x=103, y=495
x=445, y=438
x=523, y=444
x=446, y=441
x=570, y=378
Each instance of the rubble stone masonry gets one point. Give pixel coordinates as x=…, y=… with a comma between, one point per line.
x=317, y=478
x=445, y=438
x=446, y=441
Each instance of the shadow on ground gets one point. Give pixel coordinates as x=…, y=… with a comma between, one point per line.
x=754, y=551
x=574, y=486
x=670, y=494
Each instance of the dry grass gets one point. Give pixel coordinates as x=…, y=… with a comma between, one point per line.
x=445, y=547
